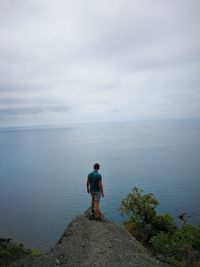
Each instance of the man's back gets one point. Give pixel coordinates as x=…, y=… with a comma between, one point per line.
x=94, y=179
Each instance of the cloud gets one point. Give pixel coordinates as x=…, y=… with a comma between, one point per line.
x=32, y=110
x=112, y=60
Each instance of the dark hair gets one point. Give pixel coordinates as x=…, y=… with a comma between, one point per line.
x=96, y=166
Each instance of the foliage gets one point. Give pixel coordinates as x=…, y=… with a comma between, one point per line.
x=164, y=223
x=183, y=245
x=10, y=252
x=142, y=217
x=160, y=232
x=141, y=208
x=36, y=252
x=179, y=243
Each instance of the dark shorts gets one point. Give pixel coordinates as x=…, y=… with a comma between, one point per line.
x=96, y=196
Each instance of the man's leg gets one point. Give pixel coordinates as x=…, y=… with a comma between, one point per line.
x=92, y=206
x=96, y=209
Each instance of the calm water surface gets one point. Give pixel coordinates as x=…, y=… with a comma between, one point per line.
x=43, y=173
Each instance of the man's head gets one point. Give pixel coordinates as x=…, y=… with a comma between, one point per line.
x=96, y=166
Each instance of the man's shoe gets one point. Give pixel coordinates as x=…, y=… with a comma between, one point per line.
x=91, y=217
x=98, y=219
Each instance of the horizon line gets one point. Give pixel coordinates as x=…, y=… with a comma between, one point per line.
x=62, y=125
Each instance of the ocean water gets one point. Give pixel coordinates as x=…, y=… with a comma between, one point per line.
x=43, y=173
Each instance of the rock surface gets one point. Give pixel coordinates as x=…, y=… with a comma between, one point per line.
x=92, y=243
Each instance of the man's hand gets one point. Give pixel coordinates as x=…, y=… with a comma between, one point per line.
x=101, y=188
x=88, y=185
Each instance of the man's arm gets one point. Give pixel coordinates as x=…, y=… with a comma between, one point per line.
x=101, y=188
x=88, y=185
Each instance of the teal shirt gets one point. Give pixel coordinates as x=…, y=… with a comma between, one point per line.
x=94, y=178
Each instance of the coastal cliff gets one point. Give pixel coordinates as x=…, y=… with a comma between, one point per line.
x=93, y=243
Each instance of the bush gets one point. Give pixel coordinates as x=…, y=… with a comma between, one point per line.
x=142, y=232
x=164, y=223
x=140, y=208
x=36, y=252
x=142, y=217
x=160, y=232
x=182, y=245
x=10, y=252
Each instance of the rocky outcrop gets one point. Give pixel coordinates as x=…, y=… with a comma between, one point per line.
x=88, y=242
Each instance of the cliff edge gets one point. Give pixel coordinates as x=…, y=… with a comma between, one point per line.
x=92, y=243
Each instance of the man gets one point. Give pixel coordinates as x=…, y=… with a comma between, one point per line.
x=95, y=187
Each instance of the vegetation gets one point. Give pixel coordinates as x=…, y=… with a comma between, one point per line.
x=10, y=252
x=35, y=252
x=180, y=246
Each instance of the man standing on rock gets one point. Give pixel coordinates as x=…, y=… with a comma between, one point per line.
x=95, y=187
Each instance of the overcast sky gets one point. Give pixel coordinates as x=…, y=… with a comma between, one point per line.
x=84, y=60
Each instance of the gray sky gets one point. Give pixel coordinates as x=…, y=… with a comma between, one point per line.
x=78, y=61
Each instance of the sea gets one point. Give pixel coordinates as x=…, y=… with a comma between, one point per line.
x=43, y=172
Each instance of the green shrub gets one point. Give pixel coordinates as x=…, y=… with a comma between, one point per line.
x=160, y=243
x=160, y=232
x=141, y=212
x=142, y=232
x=180, y=244
x=35, y=252
x=10, y=252
x=140, y=208
x=164, y=223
